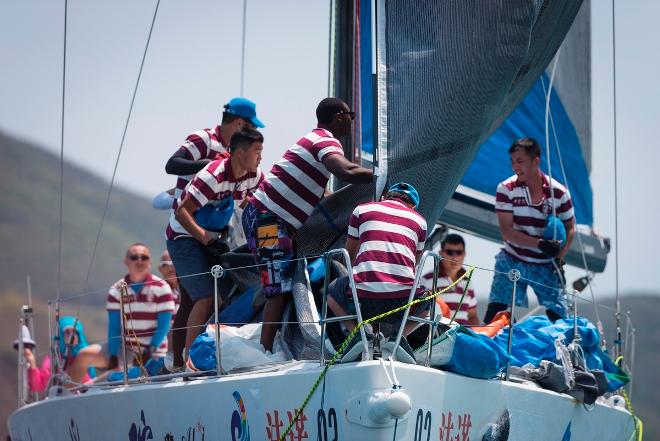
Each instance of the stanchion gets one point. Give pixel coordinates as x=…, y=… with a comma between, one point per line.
x=217, y=271
x=123, y=291
x=514, y=276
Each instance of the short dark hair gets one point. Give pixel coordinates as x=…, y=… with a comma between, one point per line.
x=453, y=239
x=136, y=244
x=244, y=138
x=228, y=118
x=400, y=196
x=529, y=145
x=328, y=108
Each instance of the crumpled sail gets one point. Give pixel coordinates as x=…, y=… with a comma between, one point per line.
x=448, y=74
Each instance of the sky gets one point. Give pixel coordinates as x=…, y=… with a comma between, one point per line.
x=193, y=68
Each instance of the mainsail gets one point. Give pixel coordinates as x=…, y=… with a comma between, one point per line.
x=442, y=88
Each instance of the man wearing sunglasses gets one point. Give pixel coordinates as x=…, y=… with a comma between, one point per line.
x=286, y=198
x=148, y=309
x=460, y=303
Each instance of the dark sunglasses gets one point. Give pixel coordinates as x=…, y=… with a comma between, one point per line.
x=454, y=252
x=347, y=112
x=141, y=257
x=249, y=124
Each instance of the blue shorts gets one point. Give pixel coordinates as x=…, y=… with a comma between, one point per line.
x=271, y=243
x=189, y=258
x=542, y=278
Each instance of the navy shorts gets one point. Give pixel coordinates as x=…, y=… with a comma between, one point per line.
x=191, y=261
x=542, y=278
x=339, y=290
x=271, y=243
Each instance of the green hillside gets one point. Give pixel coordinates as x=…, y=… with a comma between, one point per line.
x=29, y=223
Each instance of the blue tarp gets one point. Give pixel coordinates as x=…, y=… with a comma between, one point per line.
x=533, y=341
x=492, y=165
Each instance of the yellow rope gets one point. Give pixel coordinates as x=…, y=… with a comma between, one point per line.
x=137, y=351
x=355, y=330
x=639, y=426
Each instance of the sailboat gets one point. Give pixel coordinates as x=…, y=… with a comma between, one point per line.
x=432, y=82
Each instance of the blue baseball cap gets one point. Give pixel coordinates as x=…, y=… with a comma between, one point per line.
x=408, y=190
x=244, y=108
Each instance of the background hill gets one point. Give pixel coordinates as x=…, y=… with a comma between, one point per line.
x=29, y=223
x=29, y=231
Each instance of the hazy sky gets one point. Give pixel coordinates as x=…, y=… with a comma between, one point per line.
x=193, y=67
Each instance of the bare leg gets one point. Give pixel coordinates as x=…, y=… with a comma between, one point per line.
x=199, y=313
x=339, y=311
x=179, y=331
x=273, y=311
x=90, y=356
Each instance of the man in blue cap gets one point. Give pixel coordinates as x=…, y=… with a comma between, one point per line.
x=199, y=149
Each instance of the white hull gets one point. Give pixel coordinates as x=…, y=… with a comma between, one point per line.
x=444, y=407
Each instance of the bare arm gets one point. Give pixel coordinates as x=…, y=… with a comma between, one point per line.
x=570, y=232
x=184, y=215
x=352, y=246
x=347, y=171
x=505, y=219
x=179, y=165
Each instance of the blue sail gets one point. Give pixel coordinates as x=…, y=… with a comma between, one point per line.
x=492, y=165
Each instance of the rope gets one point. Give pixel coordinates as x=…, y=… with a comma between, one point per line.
x=59, y=240
x=616, y=193
x=354, y=332
x=579, y=237
x=121, y=147
x=547, y=139
x=243, y=47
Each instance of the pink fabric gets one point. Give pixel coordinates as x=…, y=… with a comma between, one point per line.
x=38, y=376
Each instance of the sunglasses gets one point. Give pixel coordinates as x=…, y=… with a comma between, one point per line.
x=453, y=252
x=347, y=112
x=166, y=263
x=142, y=257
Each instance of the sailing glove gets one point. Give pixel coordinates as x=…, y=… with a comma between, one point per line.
x=113, y=363
x=218, y=246
x=549, y=247
x=144, y=357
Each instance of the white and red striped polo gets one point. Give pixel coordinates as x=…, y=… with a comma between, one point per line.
x=391, y=235
x=203, y=144
x=514, y=197
x=296, y=183
x=453, y=296
x=212, y=184
x=141, y=311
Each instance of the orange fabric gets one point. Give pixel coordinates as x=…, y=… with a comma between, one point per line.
x=500, y=320
x=446, y=312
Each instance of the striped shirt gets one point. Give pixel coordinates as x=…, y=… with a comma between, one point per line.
x=203, y=144
x=296, y=183
x=391, y=235
x=514, y=197
x=141, y=310
x=212, y=184
x=453, y=296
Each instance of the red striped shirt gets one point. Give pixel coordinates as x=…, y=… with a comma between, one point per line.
x=141, y=310
x=513, y=197
x=391, y=235
x=212, y=184
x=296, y=183
x=203, y=144
x=453, y=296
